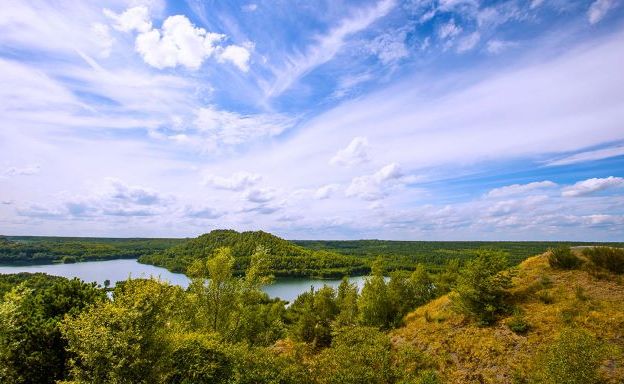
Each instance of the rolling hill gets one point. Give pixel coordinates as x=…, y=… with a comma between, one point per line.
x=287, y=259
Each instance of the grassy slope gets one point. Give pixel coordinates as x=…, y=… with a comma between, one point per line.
x=466, y=353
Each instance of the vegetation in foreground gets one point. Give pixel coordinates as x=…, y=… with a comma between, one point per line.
x=483, y=323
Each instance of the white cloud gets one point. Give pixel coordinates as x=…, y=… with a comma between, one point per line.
x=497, y=46
x=449, y=30
x=357, y=152
x=22, y=171
x=325, y=191
x=598, y=154
x=102, y=38
x=390, y=47
x=590, y=186
x=260, y=195
x=179, y=42
x=237, y=55
x=375, y=186
x=236, y=182
x=133, y=19
x=230, y=128
x=519, y=189
x=599, y=9
x=536, y=3
x=468, y=42
x=326, y=48
x=251, y=7
x=121, y=192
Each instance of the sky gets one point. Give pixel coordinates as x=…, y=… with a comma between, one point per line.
x=311, y=119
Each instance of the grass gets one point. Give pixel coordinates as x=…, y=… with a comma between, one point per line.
x=548, y=301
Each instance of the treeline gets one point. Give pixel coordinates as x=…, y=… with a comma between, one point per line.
x=286, y=259
x=435, y=254
x=46, y=250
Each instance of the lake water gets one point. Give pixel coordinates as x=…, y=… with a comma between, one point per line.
x=118, y=270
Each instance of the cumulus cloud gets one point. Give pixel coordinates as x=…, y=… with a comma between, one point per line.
x=133, y=19
x=357, y=152
x=599, y=9
x=237, y=55
x=590, y=186
x=230, y=128
x=178, y=41
x=518, y=189
x=123, y=192
x=236, y=182
x=375, y=186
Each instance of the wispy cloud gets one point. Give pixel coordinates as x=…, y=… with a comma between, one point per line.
x=325, y=47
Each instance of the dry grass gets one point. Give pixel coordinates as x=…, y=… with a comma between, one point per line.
x=550, y=299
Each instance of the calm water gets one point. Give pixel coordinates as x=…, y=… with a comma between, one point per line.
x=117, y=270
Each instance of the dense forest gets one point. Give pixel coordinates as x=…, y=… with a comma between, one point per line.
x=46, y=250
x=286, y=258
x=556, y=318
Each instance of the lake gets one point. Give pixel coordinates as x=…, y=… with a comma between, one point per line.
x=118, y=270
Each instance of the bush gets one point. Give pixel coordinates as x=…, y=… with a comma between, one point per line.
x=481, y=288
x=611, y=259
x=518, y=323
x=563, y=258
x=574, y=358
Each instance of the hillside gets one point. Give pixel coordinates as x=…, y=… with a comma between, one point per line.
x=549, y=302
x=287, y=259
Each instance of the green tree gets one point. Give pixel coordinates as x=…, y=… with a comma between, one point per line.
x=126, y=340
x=31, y=347
x=347, y=303
x=374, y=304
x=481, y=288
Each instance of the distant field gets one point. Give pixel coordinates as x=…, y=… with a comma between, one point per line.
x=405, y=254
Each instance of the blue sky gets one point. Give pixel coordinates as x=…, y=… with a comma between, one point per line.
x=421, y=119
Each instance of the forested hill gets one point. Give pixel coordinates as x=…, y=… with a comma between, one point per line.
x=287, y=259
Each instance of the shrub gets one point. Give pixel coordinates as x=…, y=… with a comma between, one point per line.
x=518, y=323
x=563, y=258
x=611, y=259
x=481, y=288
x=574, y=358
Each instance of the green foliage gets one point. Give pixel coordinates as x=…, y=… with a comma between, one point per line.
x=197, y=359
x=434, y=254
x=574, y=358
x=608, y=258
x=285, y=258
x=46, y=250
x=125, y=340
x=312, y=315
x=31, y=347
x=518, y=323
x=480, y=292
x=357, y=355
x=563, y=258
x=375, y=304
